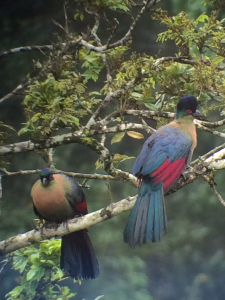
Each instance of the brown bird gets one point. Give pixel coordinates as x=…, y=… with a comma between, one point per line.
x=57, y=198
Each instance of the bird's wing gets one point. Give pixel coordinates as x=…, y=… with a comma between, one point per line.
x=164, y=156
x=75, y=196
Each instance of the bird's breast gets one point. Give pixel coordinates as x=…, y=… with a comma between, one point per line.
x=188, y=128
x=51, y=202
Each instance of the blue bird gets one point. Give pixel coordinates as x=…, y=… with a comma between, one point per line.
x=162, y=159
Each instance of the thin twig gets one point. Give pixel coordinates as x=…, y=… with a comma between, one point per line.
x=110, y=191
x=214, y=132
x=213, y=188
x=212, y=124
x=4, y=263
x=15, y=91
x=71, y=174
x=217, y=194
x=27, y=49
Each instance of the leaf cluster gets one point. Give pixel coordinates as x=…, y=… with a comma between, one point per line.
x=39, y=273
x=56, y=103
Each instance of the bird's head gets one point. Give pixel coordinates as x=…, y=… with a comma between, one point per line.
x=46, y=176
x=188, y=106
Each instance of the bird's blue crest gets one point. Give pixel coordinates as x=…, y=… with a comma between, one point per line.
x=187, y=102
x=45, y=172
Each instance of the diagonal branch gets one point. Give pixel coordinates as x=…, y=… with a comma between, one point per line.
x=33, y=236
x=26, y=49
x=215, y=161
x=16, y=90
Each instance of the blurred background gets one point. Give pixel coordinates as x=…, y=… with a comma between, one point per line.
x=189, y=263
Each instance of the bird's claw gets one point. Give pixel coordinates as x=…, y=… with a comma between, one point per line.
x=40, y=224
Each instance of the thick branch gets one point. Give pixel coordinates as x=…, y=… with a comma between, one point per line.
x=78, y=136
x=214, y=162
x=33, y=236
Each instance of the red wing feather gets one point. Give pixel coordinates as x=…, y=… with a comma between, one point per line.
x=168, y=173
x=82, y=207
x=158, y=174
x=170, y=180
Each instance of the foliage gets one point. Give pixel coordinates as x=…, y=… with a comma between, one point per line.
x=77, y=83
x=56, y=103
x=39, y=273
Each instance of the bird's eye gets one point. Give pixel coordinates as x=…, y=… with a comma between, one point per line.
x=50, y=177
x=189, y=111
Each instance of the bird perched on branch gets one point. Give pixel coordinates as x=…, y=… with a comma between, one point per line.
x=57, y=198
x=162, y=159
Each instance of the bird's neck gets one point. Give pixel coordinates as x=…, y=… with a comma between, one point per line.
x=186, y=124
x=183, y=119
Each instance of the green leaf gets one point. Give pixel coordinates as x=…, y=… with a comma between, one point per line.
x=23, y=130
x=95, y=93
x=20, y=263
x=98, y=164
x=202, y=18
x=135, y=135
x=217, y=60
x=81, y=17
x=35, y=117
x=136, y=95
x=35, y=259
x=151, y=106
x=204, y=97
x=72, y=118
x=76, y=16
x=38, y=64
x=31, y=273
x=120, y=157
x=15, y=293
x=117, y=137
x=57, y=100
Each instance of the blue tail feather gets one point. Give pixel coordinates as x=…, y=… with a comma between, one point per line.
x=78, y=257
x=147, y=220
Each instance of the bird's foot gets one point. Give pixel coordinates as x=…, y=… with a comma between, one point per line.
x=50, y=224
x=40, y=224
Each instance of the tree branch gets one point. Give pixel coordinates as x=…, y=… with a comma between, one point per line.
x=26, y=49
x=33, y=236
x=214, y=132
x=215, y=161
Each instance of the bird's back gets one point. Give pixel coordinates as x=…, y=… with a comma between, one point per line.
x=168, y=142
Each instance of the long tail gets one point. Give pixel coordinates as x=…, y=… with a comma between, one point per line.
x=147, y=220
x=78, y=257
